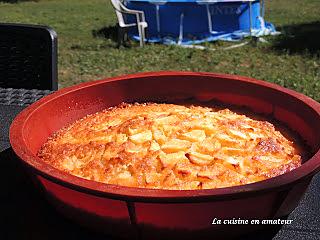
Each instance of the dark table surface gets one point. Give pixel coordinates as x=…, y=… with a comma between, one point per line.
x=25, y=213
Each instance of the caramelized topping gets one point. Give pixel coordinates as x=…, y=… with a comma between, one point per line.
x=167, y=146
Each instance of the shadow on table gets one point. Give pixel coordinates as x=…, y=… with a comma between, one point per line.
x=26, y=213
x=299, y=38
x=265, y=234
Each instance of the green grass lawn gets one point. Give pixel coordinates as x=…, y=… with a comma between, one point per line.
x=291, y=60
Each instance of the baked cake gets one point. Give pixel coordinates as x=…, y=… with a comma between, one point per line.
x=170, y=146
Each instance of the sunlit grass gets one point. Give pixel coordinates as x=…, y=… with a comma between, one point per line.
x=289, y=60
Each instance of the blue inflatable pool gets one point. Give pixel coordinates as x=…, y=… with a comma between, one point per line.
x=196, y=21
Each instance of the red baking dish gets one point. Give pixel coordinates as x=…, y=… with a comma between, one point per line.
x=164, y=214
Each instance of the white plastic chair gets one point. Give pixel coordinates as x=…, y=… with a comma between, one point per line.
x=141, y=23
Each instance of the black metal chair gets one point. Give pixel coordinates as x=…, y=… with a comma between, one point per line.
x=28, y=57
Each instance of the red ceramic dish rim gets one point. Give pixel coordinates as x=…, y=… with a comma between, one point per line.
x=19, y=146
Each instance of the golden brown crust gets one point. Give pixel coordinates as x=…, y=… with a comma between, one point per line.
x=167, y=146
